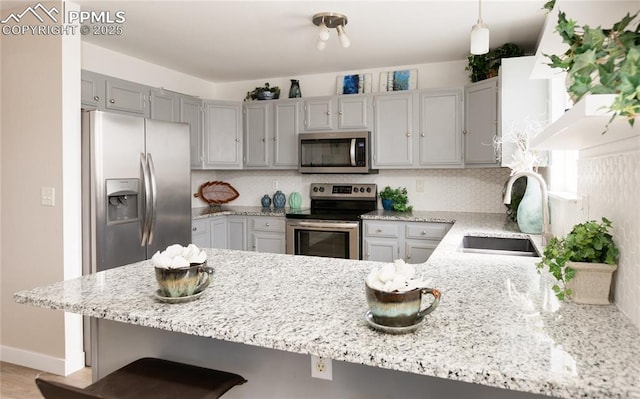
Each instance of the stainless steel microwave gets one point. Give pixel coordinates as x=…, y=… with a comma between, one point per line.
x=335, y=152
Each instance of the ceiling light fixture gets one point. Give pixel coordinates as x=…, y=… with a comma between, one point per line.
x=330, y=20
x=480, y=35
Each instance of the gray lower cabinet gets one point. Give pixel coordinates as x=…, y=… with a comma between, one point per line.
x=414, y=242
x=267, y=234
x=481, y=124
x=209, y=232
x=222, y=135
x=237, y=232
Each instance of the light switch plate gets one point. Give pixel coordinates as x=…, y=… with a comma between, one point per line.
x=48, y=196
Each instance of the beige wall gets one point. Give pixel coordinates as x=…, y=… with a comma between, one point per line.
x=32, y=235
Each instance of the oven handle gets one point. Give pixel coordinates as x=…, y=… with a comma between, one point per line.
x=325, y=225
x=352, y=152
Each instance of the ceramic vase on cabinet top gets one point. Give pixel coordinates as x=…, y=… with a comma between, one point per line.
x=279, y=199
x=294, y=91
x=530, y=209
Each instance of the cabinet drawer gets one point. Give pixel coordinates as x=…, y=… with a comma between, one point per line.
x=381, y=230
x=426, y=231
x=276, y=224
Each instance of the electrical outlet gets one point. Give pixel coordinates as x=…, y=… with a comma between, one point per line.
x=274, y=184
x=321, y=367
x=420, y=186
x=48, y=196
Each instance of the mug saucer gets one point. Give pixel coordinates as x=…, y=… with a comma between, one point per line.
x=180, y=299
x=390, y=329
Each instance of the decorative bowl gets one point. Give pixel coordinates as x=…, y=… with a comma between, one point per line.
x=174, y=283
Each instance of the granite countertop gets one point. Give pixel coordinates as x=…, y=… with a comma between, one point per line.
x=498, y=324
x=223, y=210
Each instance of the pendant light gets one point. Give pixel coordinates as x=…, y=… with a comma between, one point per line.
x=480, y=35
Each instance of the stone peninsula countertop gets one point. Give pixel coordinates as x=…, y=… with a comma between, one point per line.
x=498, y=324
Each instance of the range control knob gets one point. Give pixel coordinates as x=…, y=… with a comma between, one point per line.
x=315, y=189
x=355, y=189
x=368, y=189
x=362, y=189
x=322, y=189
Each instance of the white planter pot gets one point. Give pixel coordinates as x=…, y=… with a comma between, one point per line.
x=592, y=282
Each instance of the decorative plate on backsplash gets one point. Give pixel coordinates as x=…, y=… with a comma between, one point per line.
x=216, y=192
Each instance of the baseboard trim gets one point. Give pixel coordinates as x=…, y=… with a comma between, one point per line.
x=37, y=360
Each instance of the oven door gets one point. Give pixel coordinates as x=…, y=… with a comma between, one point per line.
x=327, y=238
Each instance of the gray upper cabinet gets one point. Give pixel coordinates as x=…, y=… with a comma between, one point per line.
x=190, y=111
x=347, y=112
x=127, y=97
x=222, y=135
x=440, y=138
x=318, y=114
x=481, y=124
x=271, y=134
x=257, y=133
x=92, y=90
x=393, y=130
x=164, y=105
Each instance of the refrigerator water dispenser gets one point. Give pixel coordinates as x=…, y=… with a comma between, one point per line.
x=122, y=200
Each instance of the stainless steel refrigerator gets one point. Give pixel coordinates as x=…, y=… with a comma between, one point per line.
x=136, y=187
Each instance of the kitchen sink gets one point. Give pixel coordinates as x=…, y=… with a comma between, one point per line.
x=499, y=246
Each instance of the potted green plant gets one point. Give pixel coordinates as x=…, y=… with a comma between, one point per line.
x=264, y=93
x=583, y=262
x=485, y=66
x=602, y=61
x=395, y=199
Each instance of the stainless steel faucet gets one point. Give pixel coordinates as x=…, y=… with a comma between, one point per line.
x=546, y=228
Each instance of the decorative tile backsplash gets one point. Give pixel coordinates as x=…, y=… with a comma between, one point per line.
x=461, y=190
x=612, y=186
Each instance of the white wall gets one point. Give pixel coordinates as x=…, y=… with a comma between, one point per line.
x=40, y=244
x=461, y=190
x=611, y=184
x=111, y=63
x=443, y=74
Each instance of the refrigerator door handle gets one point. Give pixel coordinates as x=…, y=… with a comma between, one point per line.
x=154, y=197
x=147, y=199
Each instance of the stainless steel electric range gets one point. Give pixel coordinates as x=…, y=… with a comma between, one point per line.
x=332, y=226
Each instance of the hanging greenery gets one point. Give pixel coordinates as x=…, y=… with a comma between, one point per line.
x=486, y=66
x=602, y=61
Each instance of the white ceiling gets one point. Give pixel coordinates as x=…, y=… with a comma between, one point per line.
x=245, y=40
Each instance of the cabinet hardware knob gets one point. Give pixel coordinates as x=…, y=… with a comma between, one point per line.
x=424, y=233
x=96, y=98
x=267, y=224
x=368, y=254
x=379, y=231
x=408, y=256
x=328, y=113
x=194, y=229
x=237, y=140
x=275, y=139
x=340, y=113
x=263, y=140
x=421, y=134
x=464, y=131
x=112, y=101
x=408, y=134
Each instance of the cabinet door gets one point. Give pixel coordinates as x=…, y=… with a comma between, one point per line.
x=318, y=114
x=200, y=233
x=418, y=251
x=222, y=135
x=257, y=133
x=380, y=250
x=440, y=143
x=286, y=118
x=127, y=97
x=218, y=229
x=237, y=232
x=353, y=112
x=393, y=130
x=481, y=118
x=191, y=113
x=268, y=242
x=164, y=105
x=92, y=87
